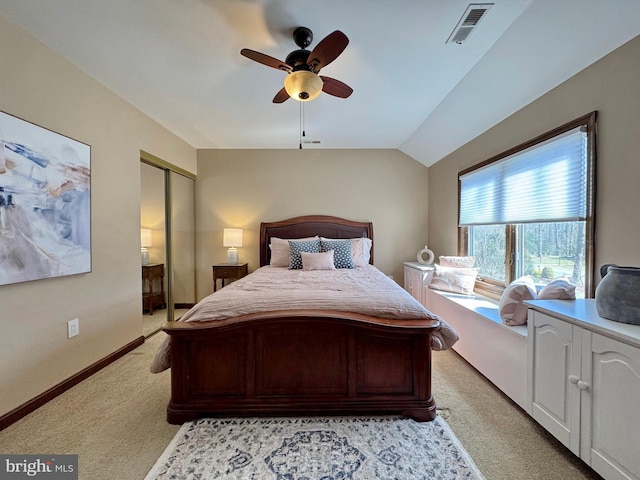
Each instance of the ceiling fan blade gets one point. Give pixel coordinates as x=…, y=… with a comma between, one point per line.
x=327, y=50
x=335, y=87
x=265, y=59
x=281, y=96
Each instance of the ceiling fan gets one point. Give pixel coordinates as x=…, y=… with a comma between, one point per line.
x=302, y=66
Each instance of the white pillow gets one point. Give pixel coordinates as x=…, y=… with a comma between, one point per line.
x=453, y=261
x=453, y=279
x=317, y=261
x=512, y=309
x=360, y=250
x=280, y=250
x=558, y=289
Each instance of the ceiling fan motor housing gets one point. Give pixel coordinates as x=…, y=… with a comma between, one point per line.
x=297, y=60
x=303, y=37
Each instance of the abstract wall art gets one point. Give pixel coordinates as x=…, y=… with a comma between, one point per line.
x=45, y=203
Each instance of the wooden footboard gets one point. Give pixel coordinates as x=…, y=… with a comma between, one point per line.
x=300, y=363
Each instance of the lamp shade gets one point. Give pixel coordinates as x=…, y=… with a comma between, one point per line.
x=145, y=237
x=232, y=237
x=302, y=85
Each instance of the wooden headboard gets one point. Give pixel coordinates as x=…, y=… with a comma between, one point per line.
x=308, y=226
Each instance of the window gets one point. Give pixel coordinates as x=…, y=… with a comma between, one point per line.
x=530, y=211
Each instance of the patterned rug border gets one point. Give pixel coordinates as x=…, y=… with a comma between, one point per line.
x=156, y=472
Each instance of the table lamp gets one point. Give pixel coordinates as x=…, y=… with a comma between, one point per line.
x=145, y=241
x=232, y=238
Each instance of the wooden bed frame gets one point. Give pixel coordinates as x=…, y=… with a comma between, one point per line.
x=311, y=362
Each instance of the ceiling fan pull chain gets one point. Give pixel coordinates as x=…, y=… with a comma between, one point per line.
x=300, y=135
x=302, y=107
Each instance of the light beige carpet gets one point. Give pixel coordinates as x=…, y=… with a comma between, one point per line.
x=115, y=422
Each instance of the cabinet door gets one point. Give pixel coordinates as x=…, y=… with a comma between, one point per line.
x=554, y=372
x=611, y=407
x=413, y=282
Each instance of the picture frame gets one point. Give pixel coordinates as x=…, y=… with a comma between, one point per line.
x=45, y=203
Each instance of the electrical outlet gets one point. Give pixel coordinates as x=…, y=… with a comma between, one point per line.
x=73, y=327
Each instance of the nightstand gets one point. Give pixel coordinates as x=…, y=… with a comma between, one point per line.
x=153, y=287
x=416, y=278
x=226, y=271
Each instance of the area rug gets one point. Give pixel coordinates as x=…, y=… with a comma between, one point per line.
x=315, y=448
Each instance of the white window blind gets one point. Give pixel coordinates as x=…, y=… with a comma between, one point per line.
x=544, y=183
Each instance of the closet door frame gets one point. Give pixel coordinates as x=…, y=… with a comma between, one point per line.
x=169, y=168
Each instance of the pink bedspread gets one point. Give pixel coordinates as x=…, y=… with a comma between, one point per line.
x=364, y=290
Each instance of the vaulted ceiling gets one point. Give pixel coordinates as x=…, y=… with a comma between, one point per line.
x=179, y=62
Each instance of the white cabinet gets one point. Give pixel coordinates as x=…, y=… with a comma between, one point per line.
x=554, y=358
x=416, y=277
x=584, y=384
x=610, y=417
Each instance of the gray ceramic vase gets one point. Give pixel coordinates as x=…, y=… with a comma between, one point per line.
x=618, y=294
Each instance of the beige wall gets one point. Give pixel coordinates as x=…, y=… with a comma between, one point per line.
x=35, y=354
x=609, y=86
x=241, y=188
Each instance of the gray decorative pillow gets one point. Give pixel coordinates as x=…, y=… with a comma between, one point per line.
x=341, y=252
x=512, y=309
x=558, y=289
x=296, y=247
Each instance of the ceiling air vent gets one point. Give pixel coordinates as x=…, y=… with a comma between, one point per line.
x=469, y=21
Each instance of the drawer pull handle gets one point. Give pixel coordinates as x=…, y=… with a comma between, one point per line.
x=583, y=385
x=573, y=379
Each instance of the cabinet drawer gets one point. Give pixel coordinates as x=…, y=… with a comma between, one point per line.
x=228, y=272
x=152, y=270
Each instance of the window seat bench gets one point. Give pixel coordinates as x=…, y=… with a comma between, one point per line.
x=496, y=350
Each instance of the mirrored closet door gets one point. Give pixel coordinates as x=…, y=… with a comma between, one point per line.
x=183, y=244
x=167, y=238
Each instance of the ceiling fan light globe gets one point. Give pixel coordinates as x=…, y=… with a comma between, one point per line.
x=303, y=86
